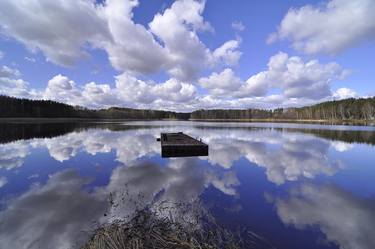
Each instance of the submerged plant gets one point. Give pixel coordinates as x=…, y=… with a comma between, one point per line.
x=170, y=225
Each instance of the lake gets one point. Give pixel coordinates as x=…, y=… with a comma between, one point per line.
x=292, y=186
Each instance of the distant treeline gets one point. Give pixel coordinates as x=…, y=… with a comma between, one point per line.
x=25, y=108
x=348, y=109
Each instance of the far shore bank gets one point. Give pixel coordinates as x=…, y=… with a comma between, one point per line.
x=68, y=120
x=298, y=121
x=308, y=121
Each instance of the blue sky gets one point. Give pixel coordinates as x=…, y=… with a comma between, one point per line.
x=187, y=54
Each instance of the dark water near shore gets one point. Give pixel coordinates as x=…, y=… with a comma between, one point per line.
x=293, y=185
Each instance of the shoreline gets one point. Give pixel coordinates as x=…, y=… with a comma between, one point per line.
x=72, y=120
x=297, y=121
x=89, y=120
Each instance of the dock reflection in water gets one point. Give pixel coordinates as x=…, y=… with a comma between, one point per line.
x=293, y=186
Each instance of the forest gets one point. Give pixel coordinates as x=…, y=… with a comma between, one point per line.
x=11, y=107
x=347, y=109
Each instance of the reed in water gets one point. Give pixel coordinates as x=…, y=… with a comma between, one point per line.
x=159, y=228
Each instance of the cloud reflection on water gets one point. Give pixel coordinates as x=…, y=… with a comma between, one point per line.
x=12, y=154
x=182, y=180
x=284, y=156
x=345, y=219
x=55, y=215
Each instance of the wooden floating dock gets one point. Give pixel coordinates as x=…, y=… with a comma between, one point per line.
x=181, y=145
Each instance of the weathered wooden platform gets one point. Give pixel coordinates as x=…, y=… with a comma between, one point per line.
x=181, y=145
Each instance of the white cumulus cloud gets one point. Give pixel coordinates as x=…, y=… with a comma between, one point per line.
x=328, y=28
x=291, y=74
x=344, y=93
x=169, y=43
x=221, y=83
x=11, y=84
x=61, y=88
x=51, y=27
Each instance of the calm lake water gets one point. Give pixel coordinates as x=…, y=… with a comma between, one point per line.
x=294, y=186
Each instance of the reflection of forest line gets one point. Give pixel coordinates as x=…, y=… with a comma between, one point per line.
x=13, y=131
x=348, y=136
x=10, y=132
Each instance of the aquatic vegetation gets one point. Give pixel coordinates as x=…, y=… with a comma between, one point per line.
x=160, y=228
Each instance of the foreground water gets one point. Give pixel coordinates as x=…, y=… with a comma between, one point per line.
x=293, y=186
